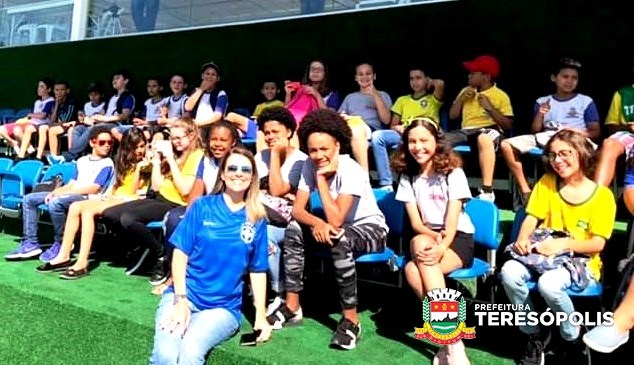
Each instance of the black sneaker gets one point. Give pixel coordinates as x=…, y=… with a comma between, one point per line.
x=534, y=352
x=161, y=271
x=575, y=352
x=282, y=316
x=135, y=259
x=346, y=335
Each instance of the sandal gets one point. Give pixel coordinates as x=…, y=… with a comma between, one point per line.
x=72, y=274
x=48, y=267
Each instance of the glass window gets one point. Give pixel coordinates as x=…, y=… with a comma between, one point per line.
x=24, y=22
x=108, y=18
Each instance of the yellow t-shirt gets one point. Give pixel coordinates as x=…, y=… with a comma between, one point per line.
x=266, y=104
x=615, y=114
x=169, y=191
x=127, y=190
x=594, y=217
x=474, y=116
x=407, y=108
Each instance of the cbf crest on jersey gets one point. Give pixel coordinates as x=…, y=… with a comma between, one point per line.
x=247, y=232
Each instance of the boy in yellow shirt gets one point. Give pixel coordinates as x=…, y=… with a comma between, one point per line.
x=486, y=112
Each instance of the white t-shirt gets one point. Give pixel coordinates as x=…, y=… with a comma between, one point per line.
x=350, y=179
x=291, y=169
x=90, y=109
x=208, y=172
x=432, y=195
x=176, y=107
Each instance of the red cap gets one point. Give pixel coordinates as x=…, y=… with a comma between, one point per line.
x=485, y=64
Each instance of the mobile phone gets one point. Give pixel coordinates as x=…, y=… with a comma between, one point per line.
x=338, y=235
x=250, y=339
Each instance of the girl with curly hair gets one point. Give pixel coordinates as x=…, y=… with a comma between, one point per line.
x=434, y=189
x=352, y=222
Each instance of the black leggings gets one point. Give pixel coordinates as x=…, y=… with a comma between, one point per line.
x=130, y=219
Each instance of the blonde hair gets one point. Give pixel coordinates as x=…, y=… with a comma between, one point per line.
x=195, y=143
x=255, y=209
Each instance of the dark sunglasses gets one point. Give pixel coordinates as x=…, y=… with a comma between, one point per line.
x=102, y=142
x=243, y=169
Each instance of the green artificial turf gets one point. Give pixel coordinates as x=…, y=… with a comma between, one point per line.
x=107, y=318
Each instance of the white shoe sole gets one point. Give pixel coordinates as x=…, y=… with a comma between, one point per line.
x=22, y=256
x=605, y=349
x=134, y=268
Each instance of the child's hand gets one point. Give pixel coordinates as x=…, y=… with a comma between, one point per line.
x=544, y=107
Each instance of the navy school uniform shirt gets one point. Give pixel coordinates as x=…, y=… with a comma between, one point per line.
x=222, y=246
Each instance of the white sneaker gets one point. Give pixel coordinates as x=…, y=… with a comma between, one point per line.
x=487, y=196
x=276, y=303
x=16, y=149
x=30, y=150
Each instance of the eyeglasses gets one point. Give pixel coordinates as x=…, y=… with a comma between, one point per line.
x=102, y=142
x=177, y=138
x=563, y=154
x=244, y=169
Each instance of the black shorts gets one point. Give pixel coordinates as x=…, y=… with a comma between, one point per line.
x=463, y=246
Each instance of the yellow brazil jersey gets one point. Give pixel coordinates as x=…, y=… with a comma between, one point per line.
x=407, y=107
x=474, y=116
x=594, y=217
x=127, y=190
x=617, y=113
x=168, y=190
x=266, y=104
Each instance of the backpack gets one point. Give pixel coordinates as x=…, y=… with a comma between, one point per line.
x=302, y=104
x=49, y=185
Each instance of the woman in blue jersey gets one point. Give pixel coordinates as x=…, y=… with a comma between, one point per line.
x=221, y=237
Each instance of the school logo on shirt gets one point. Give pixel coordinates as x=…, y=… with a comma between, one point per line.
x=423, y=103
x=573, y=113
x=247, y=232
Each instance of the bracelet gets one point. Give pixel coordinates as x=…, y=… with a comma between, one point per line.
x=179, y=297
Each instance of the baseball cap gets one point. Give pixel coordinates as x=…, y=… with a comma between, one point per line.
x=210, y=64
x=486, y=64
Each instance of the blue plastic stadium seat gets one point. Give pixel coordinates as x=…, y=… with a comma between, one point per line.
x=15, y=183
x=535, y=151
x=462, y=149
x=5, y=164
x=66, y=170
x=155, y=225
x=394, y=212
x=485, y=217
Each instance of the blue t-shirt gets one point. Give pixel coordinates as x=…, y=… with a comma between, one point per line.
x=222, y=246
x=628, y=181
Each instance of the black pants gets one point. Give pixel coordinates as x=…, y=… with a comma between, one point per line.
x=129, y=220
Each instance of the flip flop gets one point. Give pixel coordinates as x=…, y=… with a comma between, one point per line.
x=48, y=267
x=72, y=274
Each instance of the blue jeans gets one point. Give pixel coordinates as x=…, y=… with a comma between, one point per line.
x=144, y=14
x=551, y=286
x=57, y=207
x=276, y=238
x=207, y=329
x=81, y=132
x=382, y=141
